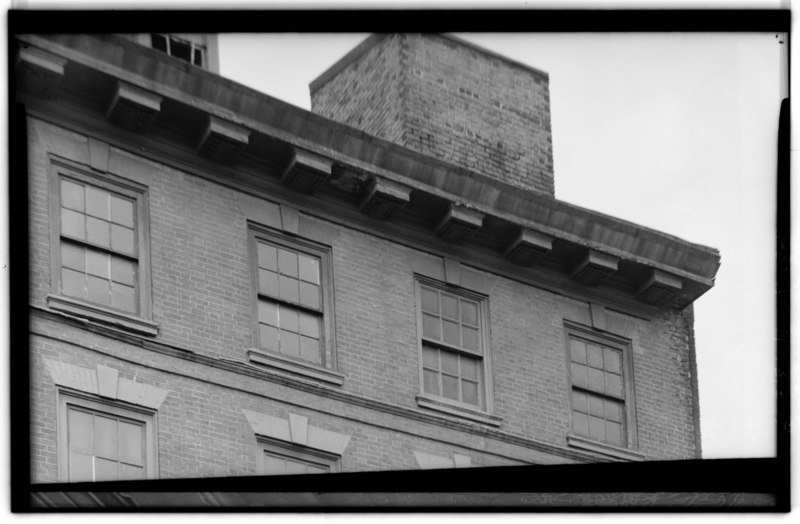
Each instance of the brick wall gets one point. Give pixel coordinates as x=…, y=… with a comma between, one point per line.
x=202, y=303
x=448, y=100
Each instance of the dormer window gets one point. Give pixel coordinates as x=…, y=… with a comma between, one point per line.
x=179, y=48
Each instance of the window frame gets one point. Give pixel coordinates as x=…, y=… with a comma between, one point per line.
x=297, y=365
x=611, y=341
x=479, y=413
x=193, y=46
x=95, y=404
x=295, y=451
x=139, y=321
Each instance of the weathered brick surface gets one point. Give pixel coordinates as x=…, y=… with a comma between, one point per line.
x=451, y=101
x=201, y=299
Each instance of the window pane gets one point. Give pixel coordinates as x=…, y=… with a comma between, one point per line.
x=614, y=385
x=614, y=433
x=274, y=465
x=80, y=467
x=198, y=57
x=123, y=297
x=128, y=472
x=72, y=224
x=288, y=288
x=596, y=406
x=579, y=377
x=73, y=283
x=309, y=325
x=97, y=231
x=309, y=295
x=595, y=356
x=431, y=327
x=469, y=368
x=580, y=401
x=309, y=269
x=180, y=49
x=430, y=300
x=97, y=263
x=449, y=387
x=449, y=363
x=580, y=423
x=105, y=469
x=99, y=290
x=309, y=350
x=597, y=428
x=267, y=257
x=288, y=319
x=158, y=42
x=267, y=313
x=314, y=468
x=71, y=195
x=122, y=211
x=73, y=256
x=268, y=337
x=122, y=239
x=105, y=437
x=469, y=338
x=97, y=202
x=470, y=391
x=294, y=467
x=290, y=343
x=450, y=332
x=577, y=350
x=613, y=411
x=267, y=283
x=430, y=357
x=469, y=312
x=123, y=271
x=80, y=431
x=449, y=306
x=430, y=382
x=596, y=380
x=131, y=443
x=612, y=361
x=287, y=263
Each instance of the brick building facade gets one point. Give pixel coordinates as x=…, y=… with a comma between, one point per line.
x=222, y=284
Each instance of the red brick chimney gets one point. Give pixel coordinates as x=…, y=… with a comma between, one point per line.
x=446, y=98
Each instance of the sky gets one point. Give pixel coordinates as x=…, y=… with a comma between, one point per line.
x=676, y=132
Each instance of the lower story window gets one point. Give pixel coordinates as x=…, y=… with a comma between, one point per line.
x=285, y=459
x=103, y=442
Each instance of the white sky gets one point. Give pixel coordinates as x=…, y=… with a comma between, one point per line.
x=676, y=132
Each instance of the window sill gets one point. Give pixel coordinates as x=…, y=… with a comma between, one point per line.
x=458, y=410
x=609, y=450
x=101, y=314
x=285, y=364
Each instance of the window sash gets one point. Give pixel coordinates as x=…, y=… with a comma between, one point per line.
x=462, y=376
x=307, y=269
x=293, y=454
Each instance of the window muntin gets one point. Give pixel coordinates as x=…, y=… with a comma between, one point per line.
x=599, y=400
x=289, y=459
x=179, y=48
x=291, y=299
x=99, y=252
x=452, y=341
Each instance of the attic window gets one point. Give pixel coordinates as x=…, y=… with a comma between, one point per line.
x=179, y=48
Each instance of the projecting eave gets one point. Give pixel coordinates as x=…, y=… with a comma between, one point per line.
x=204, y=123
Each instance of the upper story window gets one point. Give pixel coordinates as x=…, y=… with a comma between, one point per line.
x=100, y=253
x=453, y=344
x=179, y=48
x=294, y=302
x=102, y=441
x=601, y=388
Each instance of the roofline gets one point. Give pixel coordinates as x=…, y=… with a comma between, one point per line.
x=372, y=40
